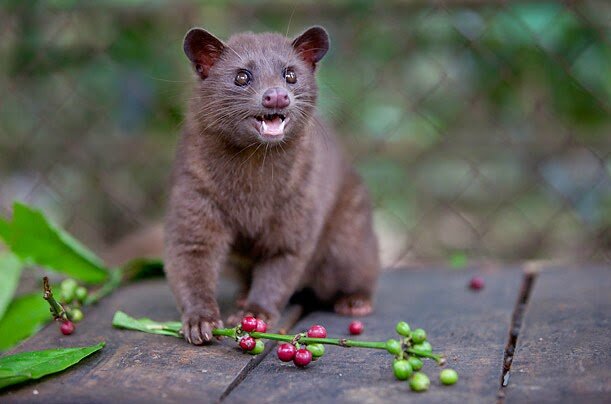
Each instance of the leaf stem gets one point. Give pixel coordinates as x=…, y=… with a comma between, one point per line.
x=343, y=342
x=114, y=281
x=329, y=341
x=438, y=358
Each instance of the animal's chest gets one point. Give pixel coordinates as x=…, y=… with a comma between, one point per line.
x=254, y=207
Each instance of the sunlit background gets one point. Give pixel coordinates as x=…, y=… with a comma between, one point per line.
x=482, y=129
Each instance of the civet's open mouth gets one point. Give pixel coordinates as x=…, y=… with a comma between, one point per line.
x=271, y=124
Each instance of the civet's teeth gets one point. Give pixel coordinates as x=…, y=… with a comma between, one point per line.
x=269, y=117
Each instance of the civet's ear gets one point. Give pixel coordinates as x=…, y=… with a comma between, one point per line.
x=312, y=45
x=203, y=50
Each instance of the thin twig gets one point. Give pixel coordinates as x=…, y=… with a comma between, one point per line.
x=58, y=311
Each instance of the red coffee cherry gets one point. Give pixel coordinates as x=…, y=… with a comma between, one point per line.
x=248, y=343
x=67, y=327
x=317, y=331
x=286, y=352
x=476, y=283
x=261, y=326
x=302, y=358
x=249, y=323
x=355, y=327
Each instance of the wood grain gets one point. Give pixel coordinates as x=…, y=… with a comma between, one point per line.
x=563, y=350
x=470, y=327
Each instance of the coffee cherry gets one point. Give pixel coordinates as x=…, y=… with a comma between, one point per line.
x=66, y=297
x=259, y=347
x=247, y=343
x=67, y=327
x=68, y=284
x=416, y=363
x=402, y=328
x=355, y=328
x=317, y=350
x=261, y=326
x=402, y=369
x=286, y=352
x=249, y=324
x=81, y=293
x=423, y=346
x=448, y=376
x=418, y=335
x=302, y=357
x=419, y=382
x=76, y=315
x=393, y=347
x=67, y=289
x=317, y=331
x=476, y=283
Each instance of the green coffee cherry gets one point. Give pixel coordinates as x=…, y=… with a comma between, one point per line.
x=402, y=369
x=76, y=315
x=416, y=363
x=402, y=328
x=68, y=284
x=394, y=347
x=67, y=290
x=448, y=376
x=419, y=382
x=66, y=296
x=423, y=346
x=418, y=335
x=259, y=347
x=317, y=350
x=81, y=293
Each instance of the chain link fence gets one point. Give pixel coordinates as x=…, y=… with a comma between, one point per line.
x=482, y=128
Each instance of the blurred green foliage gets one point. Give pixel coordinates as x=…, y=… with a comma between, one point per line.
x=480, y=128
x=34, y=240
x=25, y=315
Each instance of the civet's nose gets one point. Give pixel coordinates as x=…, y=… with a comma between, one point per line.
x=276, y=97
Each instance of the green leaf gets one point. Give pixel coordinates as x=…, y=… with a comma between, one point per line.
x=33, y=238
x=24, y=316
x=122, y=320
x=10, y=271
x=25, y=366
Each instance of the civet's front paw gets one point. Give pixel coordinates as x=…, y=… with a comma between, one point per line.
x=197, y=327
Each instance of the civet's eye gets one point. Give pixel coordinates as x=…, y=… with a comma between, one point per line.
x=290, y=76
x=243, y=78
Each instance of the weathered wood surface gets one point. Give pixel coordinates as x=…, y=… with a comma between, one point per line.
x=471, y=328
x=134, y=366
x=563, y=351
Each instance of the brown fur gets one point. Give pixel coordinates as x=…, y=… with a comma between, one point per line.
x=294, y=208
